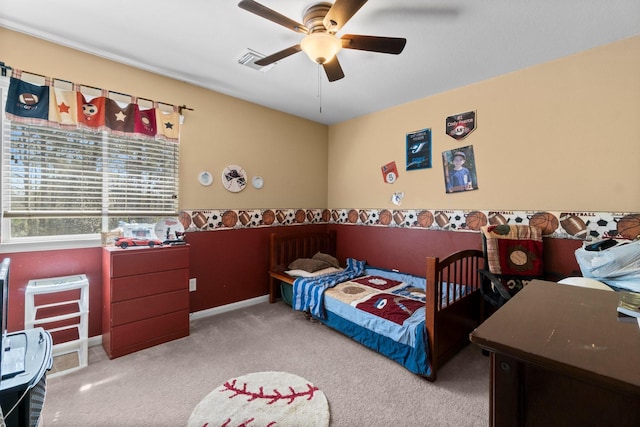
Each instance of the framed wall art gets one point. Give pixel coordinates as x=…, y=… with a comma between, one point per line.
x=419, y=149
x=459, y=169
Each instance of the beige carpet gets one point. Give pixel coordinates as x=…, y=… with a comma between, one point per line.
x=64, y=362
x=162, y=385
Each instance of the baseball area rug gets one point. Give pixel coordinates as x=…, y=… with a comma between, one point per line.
x=263, y=399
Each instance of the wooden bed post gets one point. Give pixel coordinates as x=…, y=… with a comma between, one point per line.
x=431, y=308
x=273, y=262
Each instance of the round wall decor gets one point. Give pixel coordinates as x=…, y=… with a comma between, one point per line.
x=234, y=178
x=258, y=182
x=205, y=178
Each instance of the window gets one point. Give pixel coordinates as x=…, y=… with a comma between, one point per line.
x=60, y=183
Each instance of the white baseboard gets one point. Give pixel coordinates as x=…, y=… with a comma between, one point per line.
x=94, y=341
x=97, y=340
x=228, y=307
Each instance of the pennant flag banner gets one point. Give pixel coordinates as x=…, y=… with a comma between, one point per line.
x=27, y=101
x=47, y=105
x=168, y=123
x=91, y=112
x=119, y=119
x=63, y=106
x=145, y=122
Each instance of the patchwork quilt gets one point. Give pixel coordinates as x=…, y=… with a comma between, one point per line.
x=385, y=311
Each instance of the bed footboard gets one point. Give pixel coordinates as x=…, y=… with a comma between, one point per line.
x=283, y=249
x=449, y=320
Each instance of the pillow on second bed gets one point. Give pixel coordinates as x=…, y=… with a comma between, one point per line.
x=302, y=273
x=318, y=262
x=308, y=264
x=331, y=260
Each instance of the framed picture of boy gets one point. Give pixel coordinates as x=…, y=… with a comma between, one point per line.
x=459, y=170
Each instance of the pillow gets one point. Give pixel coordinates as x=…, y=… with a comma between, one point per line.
x=308, y=264
x=327, y=258
x=302, y=273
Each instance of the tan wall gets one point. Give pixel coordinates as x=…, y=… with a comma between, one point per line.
x=288, y=152
x=558, y=136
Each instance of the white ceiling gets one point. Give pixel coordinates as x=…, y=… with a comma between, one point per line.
x=450, y=43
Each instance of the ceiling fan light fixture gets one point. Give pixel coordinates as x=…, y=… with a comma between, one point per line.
x=321, y=47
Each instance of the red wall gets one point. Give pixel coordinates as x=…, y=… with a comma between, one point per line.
x=231, y=265
x=400, y=248
x=26, y=266
x=406, y=249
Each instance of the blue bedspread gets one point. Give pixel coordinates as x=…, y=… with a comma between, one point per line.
x=308, y=291
x=382, y=309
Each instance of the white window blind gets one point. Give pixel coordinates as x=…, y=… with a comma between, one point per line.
x=58, y=181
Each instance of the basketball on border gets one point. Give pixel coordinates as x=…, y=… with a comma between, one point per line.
x=629, y=226
x=425, y=219
x=229, y=219
x=268, y=217
x=352, y=216
x=385, y=217
x=475, y=220
x=546, y=221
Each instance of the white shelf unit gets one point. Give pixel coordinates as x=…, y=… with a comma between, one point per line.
x=58, y=316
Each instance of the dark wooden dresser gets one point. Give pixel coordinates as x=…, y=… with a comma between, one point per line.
x=145, y=297
x=559, y=357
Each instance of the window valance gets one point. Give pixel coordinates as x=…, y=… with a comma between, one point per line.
x=60, y=103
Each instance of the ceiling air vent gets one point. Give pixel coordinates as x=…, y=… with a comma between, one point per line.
x=249, y=57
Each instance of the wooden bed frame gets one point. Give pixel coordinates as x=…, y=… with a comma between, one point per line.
x=448, y=327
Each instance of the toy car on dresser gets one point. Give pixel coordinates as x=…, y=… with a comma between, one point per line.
x=125, y=242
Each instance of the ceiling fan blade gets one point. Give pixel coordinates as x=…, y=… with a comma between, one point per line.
x=278, y=55
x=340, y=13
x=272, y=15
x=394, y=45
x=333, y=69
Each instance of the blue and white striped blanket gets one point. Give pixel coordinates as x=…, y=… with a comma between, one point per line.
x=308, y=291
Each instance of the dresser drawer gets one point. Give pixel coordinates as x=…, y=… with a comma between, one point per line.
x=134, y=310
x=146, y=333
x=125, y=288
x=133, y=261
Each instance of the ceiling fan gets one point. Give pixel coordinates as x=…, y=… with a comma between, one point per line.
x=321, y=23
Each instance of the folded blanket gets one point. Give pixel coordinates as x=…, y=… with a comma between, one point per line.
x=308, y=292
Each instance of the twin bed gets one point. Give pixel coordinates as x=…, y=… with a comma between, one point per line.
x=420, y=322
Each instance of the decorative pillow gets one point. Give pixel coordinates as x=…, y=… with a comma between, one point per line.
x=327, y=258
x=302, y=273
x=308, y=264
x=514, y=249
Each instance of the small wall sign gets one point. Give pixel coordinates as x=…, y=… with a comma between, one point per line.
x=419, y=149
x=390, y=172
x=460, y=125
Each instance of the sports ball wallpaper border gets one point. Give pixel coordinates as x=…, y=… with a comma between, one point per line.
x=562, y=225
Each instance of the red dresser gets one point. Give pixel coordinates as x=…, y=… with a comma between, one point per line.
x=145, y=297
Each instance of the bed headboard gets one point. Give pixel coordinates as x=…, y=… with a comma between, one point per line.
x=288, y=247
